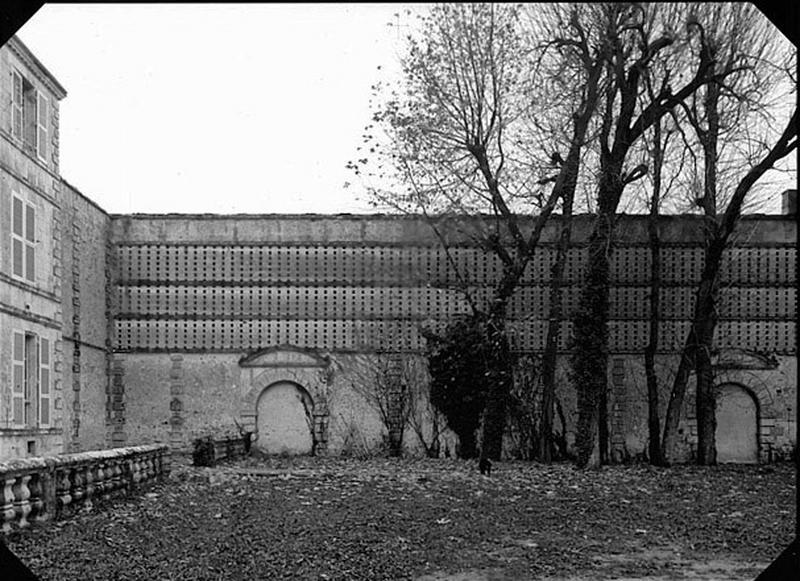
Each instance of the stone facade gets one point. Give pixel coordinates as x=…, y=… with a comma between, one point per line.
x=33, y=358
x=215, y=291
x=164, y=328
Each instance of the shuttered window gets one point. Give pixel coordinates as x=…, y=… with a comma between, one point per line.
x=16, y=105
x=18, y=381
x=41, y=126
x=31, y=389
x=23, y=239
x=44, y=383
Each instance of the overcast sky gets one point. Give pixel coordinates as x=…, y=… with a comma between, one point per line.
x=215, y=108
x=218, y=107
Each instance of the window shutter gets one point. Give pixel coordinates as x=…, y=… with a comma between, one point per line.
x=44, y=383
x=18, y=386
x=30, y=223
x=17, y=211
x=30, y=236
x=16, y=105
x=17, y=229
x=41, y=126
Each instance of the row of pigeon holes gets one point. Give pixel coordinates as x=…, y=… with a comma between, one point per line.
x=404, y=265
x=317, y=302
x=624, y=336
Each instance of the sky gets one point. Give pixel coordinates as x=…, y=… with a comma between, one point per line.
x=215, y=107
x=221, y=108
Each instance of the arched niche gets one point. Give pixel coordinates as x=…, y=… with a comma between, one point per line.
x=737, y=413
x=284, y=420
x=286, y=375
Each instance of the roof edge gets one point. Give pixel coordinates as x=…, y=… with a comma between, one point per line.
x=25, y=54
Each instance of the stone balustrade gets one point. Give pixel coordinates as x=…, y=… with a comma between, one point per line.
x=42, y=489
x=223, y=449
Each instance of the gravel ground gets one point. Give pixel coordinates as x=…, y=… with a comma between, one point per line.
x=333, y=518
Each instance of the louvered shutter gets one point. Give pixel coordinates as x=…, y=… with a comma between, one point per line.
x=16, y=105
x=41, y=126
x=18, y=379
x=44, y=383
x=17, y=229
x=30, y=237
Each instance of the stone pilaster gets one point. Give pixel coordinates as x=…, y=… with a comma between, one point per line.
x=176, y=391
x=116, y=403
x=75, y=428
x=617, y=427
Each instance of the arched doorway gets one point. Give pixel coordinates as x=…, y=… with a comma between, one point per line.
x=284, y=420
x=737, y=425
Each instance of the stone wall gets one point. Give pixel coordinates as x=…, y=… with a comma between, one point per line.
x=222, y=284
x=198, y=299
x=85, y=229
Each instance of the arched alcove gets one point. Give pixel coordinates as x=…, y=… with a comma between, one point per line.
x=737, y=424
x=285, y=399
x=284, y=419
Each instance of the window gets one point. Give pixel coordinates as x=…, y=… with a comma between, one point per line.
x=23, y=239
x=29, y=110
x=31, y=389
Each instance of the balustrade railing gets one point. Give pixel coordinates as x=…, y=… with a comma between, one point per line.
x=208, y=451
x=41, y=489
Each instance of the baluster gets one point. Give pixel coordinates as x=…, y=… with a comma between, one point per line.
x=88, y=486
x=8, y=503
x=156, y=464
x=145, y=460
x=77, y=485
x=108, y=470
x=36, y=488
x=136, y=475
x=120, y=475
x=101, y=479
x=63, y=491
x=124, y=469
x=22, y=506
x=164, y=465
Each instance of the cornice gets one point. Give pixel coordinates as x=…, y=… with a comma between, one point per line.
x=24, y=54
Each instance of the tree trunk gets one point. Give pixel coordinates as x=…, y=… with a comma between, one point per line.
x=676, y=398
x=705, y=321
x=590, y=360
x=500, y=378
x=550, y=357
x=653, y=424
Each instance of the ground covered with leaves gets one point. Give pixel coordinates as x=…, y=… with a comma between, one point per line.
x=330, y=518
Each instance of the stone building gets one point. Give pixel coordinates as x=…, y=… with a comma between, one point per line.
x=30, y=273
x=162, y=328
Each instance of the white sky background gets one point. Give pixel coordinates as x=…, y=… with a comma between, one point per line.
x=215, y=108
x=223, y=108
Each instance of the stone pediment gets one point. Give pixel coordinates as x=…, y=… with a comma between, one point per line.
x=743, y=359
x=284, y=356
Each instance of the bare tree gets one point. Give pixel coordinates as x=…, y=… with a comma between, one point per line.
x=384, y=383
x=461, y=136
x=636, y=36
x=732, y=124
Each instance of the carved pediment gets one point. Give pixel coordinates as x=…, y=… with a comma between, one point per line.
x=284, y=356
x=743, y=359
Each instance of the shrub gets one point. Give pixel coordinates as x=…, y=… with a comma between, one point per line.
x=457, y=365
x=203, y=452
